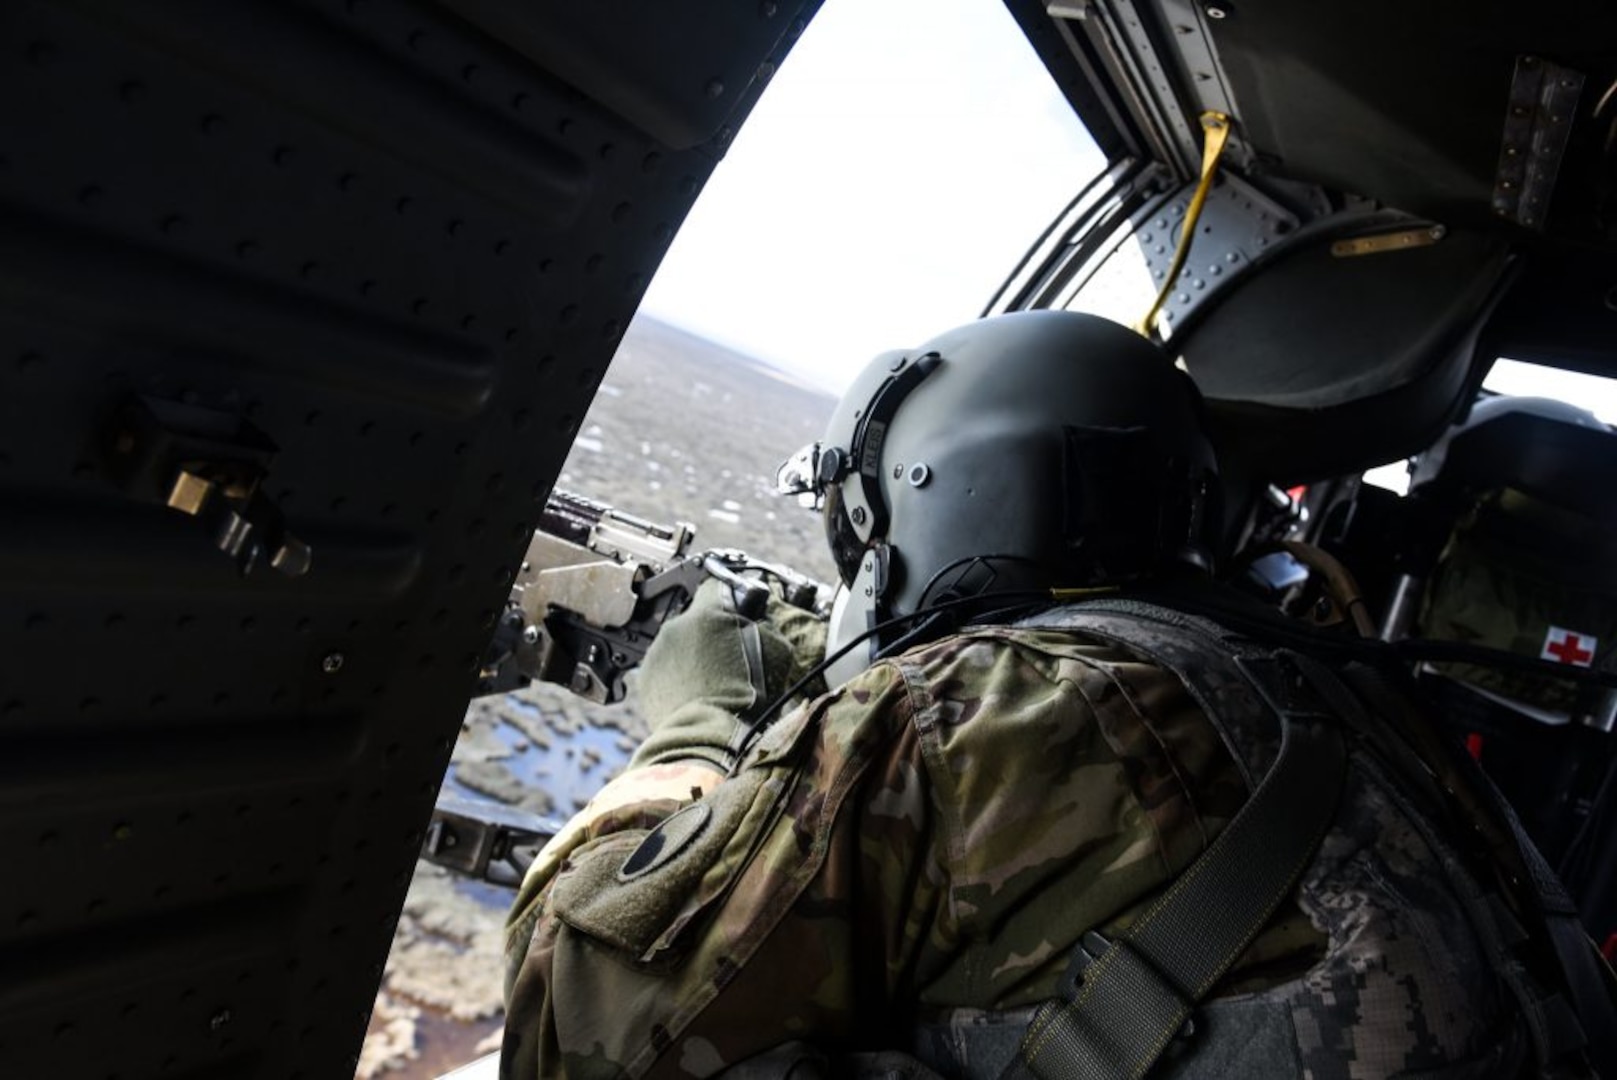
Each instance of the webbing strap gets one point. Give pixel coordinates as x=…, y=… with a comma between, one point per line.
x=1217, y=128
x=1136, y=997
x=1582, y=1022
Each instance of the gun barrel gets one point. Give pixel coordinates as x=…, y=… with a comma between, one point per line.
x=571, y=517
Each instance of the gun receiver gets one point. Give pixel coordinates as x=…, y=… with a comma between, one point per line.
x=596, y=586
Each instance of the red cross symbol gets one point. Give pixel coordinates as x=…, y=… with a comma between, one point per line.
x=1568, y=647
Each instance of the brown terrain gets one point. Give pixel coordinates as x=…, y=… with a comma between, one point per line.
x=681, y=430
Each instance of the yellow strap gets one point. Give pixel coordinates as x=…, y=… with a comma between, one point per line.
x=1217, y=127
x=1067, y=596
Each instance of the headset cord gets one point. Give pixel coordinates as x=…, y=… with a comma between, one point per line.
x=935, y=619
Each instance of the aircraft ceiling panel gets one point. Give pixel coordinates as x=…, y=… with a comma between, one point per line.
x=334, y=274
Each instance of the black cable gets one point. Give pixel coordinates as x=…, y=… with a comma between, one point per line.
x=1274, y=626
x=1577, y=862
x=1483, y=656
x=931, y=583
x=1265, y=626
x=761, y=723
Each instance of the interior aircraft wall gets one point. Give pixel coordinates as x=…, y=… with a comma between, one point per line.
x=401, y=239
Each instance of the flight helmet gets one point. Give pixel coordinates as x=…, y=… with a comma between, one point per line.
x=1020, y=452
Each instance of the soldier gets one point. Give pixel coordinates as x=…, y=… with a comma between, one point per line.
x=1050, y=819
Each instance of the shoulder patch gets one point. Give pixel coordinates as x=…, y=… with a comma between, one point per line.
x=666, y=841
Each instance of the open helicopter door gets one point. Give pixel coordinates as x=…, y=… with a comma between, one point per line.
x=303, y=305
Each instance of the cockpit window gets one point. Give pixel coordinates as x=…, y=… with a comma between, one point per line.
x=1519, y=379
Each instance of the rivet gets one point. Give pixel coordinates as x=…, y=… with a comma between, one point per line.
x=919, y=474
x=332, y=663
x=1217, y=13
x=714, y=88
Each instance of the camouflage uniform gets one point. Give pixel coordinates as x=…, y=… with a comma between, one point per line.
x=908, y=862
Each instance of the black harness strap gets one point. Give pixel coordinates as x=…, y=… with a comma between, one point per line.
x=1580, y=1023
x=1119, y=1012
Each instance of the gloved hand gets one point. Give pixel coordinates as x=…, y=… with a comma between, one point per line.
x=710, y=670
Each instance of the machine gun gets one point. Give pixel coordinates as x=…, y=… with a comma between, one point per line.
x=596, y=586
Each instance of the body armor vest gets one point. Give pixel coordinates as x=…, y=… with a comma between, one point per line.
x=1418, y=977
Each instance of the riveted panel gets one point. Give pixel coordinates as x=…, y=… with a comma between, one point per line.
x=389, y=251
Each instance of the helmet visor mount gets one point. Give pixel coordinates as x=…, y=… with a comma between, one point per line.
x=855, y=512
x=799, y=475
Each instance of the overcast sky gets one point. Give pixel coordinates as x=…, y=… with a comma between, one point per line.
x=905, y=157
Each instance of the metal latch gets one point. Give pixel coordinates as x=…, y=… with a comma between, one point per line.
x=209, y=465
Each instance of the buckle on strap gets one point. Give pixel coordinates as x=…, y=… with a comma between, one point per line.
x=1091, y=947
x=1117, y=1026
x=1089, y=951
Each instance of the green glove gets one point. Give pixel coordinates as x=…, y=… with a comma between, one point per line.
x=710, y=670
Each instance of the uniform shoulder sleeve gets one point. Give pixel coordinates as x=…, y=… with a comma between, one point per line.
x=1071, y=781
x=684, y=947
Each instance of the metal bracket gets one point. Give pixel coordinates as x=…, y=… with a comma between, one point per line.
x=1187, y=20
x=1238, y=224
x=208, y=465
x=1538, y=122
x=1399, y=240
x=488, y=841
